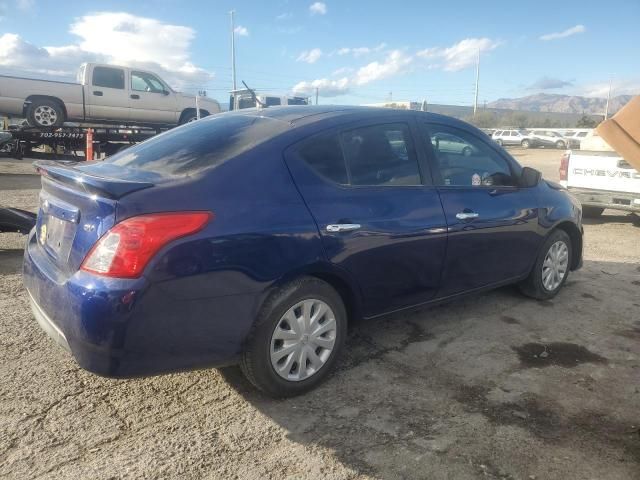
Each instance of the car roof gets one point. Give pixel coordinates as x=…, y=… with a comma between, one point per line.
x=299, y=115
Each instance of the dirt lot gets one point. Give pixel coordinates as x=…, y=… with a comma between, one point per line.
x=493, y=386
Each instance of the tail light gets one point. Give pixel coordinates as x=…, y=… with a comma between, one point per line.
x=564, y=166
x=125, y=250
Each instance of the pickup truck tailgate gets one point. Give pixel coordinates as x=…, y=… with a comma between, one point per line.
x=602, y=171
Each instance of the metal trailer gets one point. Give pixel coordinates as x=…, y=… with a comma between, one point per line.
x=70, y=142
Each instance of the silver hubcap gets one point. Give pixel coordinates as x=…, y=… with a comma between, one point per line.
x=555, y=265
x=45, y=115
x=303, y=340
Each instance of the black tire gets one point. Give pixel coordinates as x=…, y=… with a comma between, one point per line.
x=41, y=113
x=591, y=212
x=499, y=142
x=256, y=361
x=466, y=151
x=560, y=144
x=533, y=286
x=191, y=116
x=525, y=143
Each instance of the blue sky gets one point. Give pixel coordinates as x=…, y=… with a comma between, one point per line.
x=353, y=51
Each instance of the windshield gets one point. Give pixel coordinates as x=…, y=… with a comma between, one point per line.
x=199, y=145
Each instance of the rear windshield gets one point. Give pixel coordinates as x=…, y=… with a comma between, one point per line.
x=199, y=145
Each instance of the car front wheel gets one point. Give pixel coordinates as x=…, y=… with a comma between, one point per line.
x=297, y=338
x=551, y=268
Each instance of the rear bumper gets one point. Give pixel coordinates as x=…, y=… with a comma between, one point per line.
x=128, y=328
x=605, y=199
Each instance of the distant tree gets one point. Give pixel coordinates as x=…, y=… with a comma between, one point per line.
x=519, y=120
x=483, y=120
x=586, y=122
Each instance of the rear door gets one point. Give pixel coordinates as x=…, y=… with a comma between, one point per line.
x=491, y=221
x=379, y=217
x=106, y=95
x=151, y=100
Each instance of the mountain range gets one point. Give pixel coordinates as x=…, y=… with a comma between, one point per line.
x=546, y=102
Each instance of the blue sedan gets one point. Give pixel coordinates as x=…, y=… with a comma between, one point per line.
x=255, y=237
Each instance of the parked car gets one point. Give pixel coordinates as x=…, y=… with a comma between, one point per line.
x=446, y=142
x=514, y=137
x=256, y=236
x=104, y=93
x=16, y=220
x=244, y=98
x=574, y=138
x=548, y=138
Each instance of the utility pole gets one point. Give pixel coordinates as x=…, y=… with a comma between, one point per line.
x=233, y=51
x=316, y=95
x=606, y=110
x=475, y=101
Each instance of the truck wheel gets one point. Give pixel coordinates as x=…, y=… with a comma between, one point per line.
x=45, y=113
x=525, y=143
x=591, y=212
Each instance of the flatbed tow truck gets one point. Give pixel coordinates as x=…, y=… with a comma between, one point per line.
x=71, y=142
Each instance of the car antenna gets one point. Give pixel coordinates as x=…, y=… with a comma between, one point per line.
x=253, y=94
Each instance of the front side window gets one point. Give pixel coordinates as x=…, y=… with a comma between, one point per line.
x=146, y=82
x=466, y=160
x=108, y=77
x=272, y=101
x=381, y=155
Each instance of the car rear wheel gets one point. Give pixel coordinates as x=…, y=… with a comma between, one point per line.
x=499, y=142
x=592, y=212
x=525, y=143
x=45, y=113
x=551, y=268
x=297, y=339
x=560, y=144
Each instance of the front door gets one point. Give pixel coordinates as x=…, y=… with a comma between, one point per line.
x=379, y=222
x=106, y=96
x=492, y=222
x=151, y=100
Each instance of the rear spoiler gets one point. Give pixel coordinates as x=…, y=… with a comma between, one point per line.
x=65, y=173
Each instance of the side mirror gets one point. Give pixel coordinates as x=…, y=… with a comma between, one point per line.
x=530, y=177
x=165, y=92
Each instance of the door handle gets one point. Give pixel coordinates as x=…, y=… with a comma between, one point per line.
x=343, y=227
x=97, y=93
x=466, y=215
x=135, y=96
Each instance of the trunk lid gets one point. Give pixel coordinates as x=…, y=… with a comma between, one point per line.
x=77, y=206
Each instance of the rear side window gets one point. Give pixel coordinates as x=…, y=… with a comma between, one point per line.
x=272, y=101
x=199, y=145
x=324, y=155
x=108, y=77
x=379, y=155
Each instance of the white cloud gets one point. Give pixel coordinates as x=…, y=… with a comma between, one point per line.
x=629, y=86
x=318, y=8
x=459, y=55
x=310, y=56
x=341, y=71
x=360, y=51
x=241, y=31
x=325, y=86
x=565, y=33
x=395, y=63
x=118, y=38
x=284, y=16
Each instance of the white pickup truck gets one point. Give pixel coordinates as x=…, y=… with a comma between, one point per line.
x=600, y=179
x=104, y=93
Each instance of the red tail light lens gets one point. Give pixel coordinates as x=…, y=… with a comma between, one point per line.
x=564, y=166
x=125, y=250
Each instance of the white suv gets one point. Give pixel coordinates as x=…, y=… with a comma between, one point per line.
x=513, y=137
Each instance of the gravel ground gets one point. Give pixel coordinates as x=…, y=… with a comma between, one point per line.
x=492, y=386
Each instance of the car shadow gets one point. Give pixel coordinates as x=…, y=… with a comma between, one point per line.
x=420, y=390
x=11, y=261
x=629, y=218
